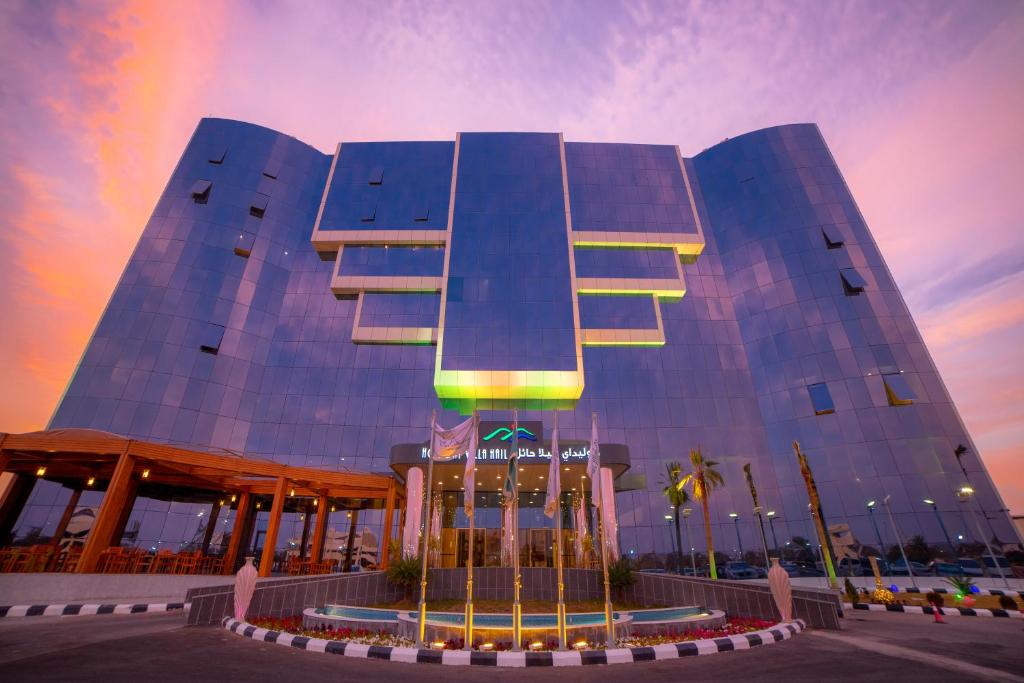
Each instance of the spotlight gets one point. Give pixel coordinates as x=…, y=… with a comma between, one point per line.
x=145, y=473
x=41, y=472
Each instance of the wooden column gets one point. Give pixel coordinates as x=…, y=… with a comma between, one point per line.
x=126, y=511
x=323, y=512
x=270, y=540
x=389, y=521
x=211, y=526
x=109, y=515
x=237, y=532
x=306, y=518
x=353, y=523
x=62, y=525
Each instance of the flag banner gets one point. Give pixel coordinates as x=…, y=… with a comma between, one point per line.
x=469, y=479
x=551, y=503
x=512, y=475
x=581, y=532
x=507, y=536
x=594, y=464
x=448, y=444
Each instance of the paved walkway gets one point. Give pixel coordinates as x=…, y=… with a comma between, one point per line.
x=873, y=647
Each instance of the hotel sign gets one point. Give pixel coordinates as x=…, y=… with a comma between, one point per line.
x=569, y=452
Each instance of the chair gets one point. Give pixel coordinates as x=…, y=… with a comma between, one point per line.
x=141, y=562
x=186, y=563
x=162, y=563
x=114, y=561
x=294, y=566
x=69, y=559
x=211, y=564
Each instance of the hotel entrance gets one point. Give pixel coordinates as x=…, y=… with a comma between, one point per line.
x=495, y=533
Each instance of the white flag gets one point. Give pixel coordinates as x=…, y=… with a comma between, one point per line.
x=469, y=479
x=551, y=503
x=448, y=444
x=581, y=532
x=594, y=464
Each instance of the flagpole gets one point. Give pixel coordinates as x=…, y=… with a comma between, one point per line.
x=422, y=630
x=517, y=608
x=558, y=554
x=608, y=620
x=468, y=621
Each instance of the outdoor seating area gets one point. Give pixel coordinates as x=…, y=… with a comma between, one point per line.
x=128, y=469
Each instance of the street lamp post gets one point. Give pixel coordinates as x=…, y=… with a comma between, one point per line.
x=874, y=523
x=686, y=523
x=739, y=541
x=959, y=452
x=771, y=523
x=675, y=550
x=899, y=541
x=764, y=543
x=964, y=494
x=942, y=525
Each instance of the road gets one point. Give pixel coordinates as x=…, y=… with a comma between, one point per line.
x=154, y=648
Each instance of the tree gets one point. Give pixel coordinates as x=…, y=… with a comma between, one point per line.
x=677, y=497
x=918, y=550
x=702, y=481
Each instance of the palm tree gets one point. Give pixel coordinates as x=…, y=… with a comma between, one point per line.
x=702, y=481
x=677, y=497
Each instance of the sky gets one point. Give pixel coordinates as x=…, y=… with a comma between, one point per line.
x=922, y=104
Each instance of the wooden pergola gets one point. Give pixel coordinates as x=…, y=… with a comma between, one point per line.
x=94, y=460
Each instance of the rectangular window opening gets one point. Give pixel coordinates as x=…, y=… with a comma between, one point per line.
x=201, y=191
x=853, y=282
x=377, y=175
x=217, y=154
x=369, y=212
x=211, y=339
x=273, y=168
x=259, y=205
x=243, y=245
x=833, y=238
x=897, y=390
x=821, y=399
x=422, y=213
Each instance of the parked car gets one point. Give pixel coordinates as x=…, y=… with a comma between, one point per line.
x=970, y=566
x=1003, y=563
x=739, y=570
x=946, y=568
x=792, y=568
x=899, y=568
x=701, y=571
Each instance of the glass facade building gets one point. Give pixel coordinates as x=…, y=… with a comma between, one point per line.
x=314, y=309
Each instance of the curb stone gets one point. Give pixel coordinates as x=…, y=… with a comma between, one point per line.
x=81, y=609
x=945, y=611
x=769, y=636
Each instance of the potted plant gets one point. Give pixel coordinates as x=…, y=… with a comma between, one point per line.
x=405, y=573
x=963, y=587
x=620, y=576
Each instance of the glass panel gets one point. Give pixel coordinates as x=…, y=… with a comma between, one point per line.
x=821, y=399
x=897, y=390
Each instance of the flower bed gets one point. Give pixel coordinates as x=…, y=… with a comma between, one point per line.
x=293, y=625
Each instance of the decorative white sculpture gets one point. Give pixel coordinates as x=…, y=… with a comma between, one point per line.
x=778, y=581
x=245, y=585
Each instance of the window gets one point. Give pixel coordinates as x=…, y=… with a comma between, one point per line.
x=211, y=338
x=898, y=390
x=369, y=212
x=217, y=154
x=821, y=399
x=243, y=245
x=201, y=191
x=259, y=205
x=833, y=238
x=853, y=282
x=376, y=175
x=273, y=168
x=422, y=213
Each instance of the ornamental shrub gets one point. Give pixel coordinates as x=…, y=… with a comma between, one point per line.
x=1006, y=602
